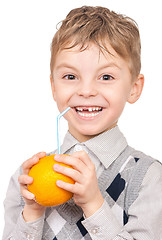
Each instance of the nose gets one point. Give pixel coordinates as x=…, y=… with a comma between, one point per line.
x=87, y=89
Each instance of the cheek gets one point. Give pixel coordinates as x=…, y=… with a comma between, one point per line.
x=117, y=98
x=116, y=107
x=120, y=93
x=62, y=96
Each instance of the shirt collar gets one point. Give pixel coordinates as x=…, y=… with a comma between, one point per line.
x=107, y=146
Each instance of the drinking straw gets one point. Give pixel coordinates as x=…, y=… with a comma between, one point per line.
x=58, y=129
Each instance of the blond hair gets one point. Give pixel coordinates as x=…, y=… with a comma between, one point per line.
x=99, y=25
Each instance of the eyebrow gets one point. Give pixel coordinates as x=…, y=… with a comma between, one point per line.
x=111, y=64
x=67, y=65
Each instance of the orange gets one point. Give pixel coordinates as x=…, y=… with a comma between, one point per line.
x=44, y=187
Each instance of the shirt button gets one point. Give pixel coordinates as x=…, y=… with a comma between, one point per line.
x=94, y=231
x=78, y=148
x=29, y=237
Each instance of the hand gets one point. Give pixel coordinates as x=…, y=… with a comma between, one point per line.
x=86, y=191
x=32, y=210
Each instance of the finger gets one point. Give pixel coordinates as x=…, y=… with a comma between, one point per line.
x=41, y=154
x=26, y=194
x=83, y=156
x=25, y=179
x=32, y=161
x=66, y=186
x=72, y=173
x=29, y=163
x=70, y=160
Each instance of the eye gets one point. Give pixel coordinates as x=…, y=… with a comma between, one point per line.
x=106, y=77
x=69, y=77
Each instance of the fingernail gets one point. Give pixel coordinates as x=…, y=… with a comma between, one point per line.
x=56, y=157
x=35, y=158
x=31, y=195
x=43, y=153
x=30, y=179
x=55, y=166
x=58, y=183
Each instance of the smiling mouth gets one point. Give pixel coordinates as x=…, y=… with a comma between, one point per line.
x=88, y=111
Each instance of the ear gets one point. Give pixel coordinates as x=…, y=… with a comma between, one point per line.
x=136, y=89
x=52, y=87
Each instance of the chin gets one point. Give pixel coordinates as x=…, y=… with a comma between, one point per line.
x=94, y=132
x=90, y=133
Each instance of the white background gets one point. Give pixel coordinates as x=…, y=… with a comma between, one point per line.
x=28, y=112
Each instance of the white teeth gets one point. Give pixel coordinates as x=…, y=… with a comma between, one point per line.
x=88, y=114
x=90, y=109
x=79, y=109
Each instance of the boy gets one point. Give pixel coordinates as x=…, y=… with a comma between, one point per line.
x=95, y=69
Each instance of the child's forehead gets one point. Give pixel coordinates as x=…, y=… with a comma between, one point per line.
x=88, y=48
x=90, y=57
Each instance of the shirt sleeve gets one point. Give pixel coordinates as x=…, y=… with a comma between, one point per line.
x=15, y=227
x=145, y=214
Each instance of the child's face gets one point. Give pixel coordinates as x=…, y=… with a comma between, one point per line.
x=95, y=85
